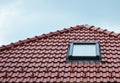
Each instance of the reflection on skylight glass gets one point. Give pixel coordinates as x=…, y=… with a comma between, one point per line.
x=84, y=50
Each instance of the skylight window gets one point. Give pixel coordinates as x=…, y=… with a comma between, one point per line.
x=84, y=51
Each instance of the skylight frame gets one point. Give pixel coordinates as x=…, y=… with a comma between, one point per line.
x=96, y=58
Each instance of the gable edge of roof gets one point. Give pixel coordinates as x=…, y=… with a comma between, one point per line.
x=98, y=29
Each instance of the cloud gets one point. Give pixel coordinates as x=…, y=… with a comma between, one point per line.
x=116, y=28
x=7, y=12
x=20, y=19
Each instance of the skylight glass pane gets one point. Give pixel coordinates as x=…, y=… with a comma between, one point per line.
x=84, y=50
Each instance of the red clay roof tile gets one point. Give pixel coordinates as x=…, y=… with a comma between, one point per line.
x=43, y=58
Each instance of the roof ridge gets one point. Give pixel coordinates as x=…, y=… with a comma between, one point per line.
x=111, y=33
x=98, y=29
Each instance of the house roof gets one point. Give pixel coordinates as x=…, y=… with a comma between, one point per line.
x=43, y=58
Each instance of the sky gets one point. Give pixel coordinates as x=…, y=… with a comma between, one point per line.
x=21, y=19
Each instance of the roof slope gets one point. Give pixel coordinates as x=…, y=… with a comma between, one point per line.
x=43, y=58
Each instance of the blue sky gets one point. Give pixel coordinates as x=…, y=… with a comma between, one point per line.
x=20, y=19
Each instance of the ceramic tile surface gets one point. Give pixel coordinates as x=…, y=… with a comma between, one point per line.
x=43, y=58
